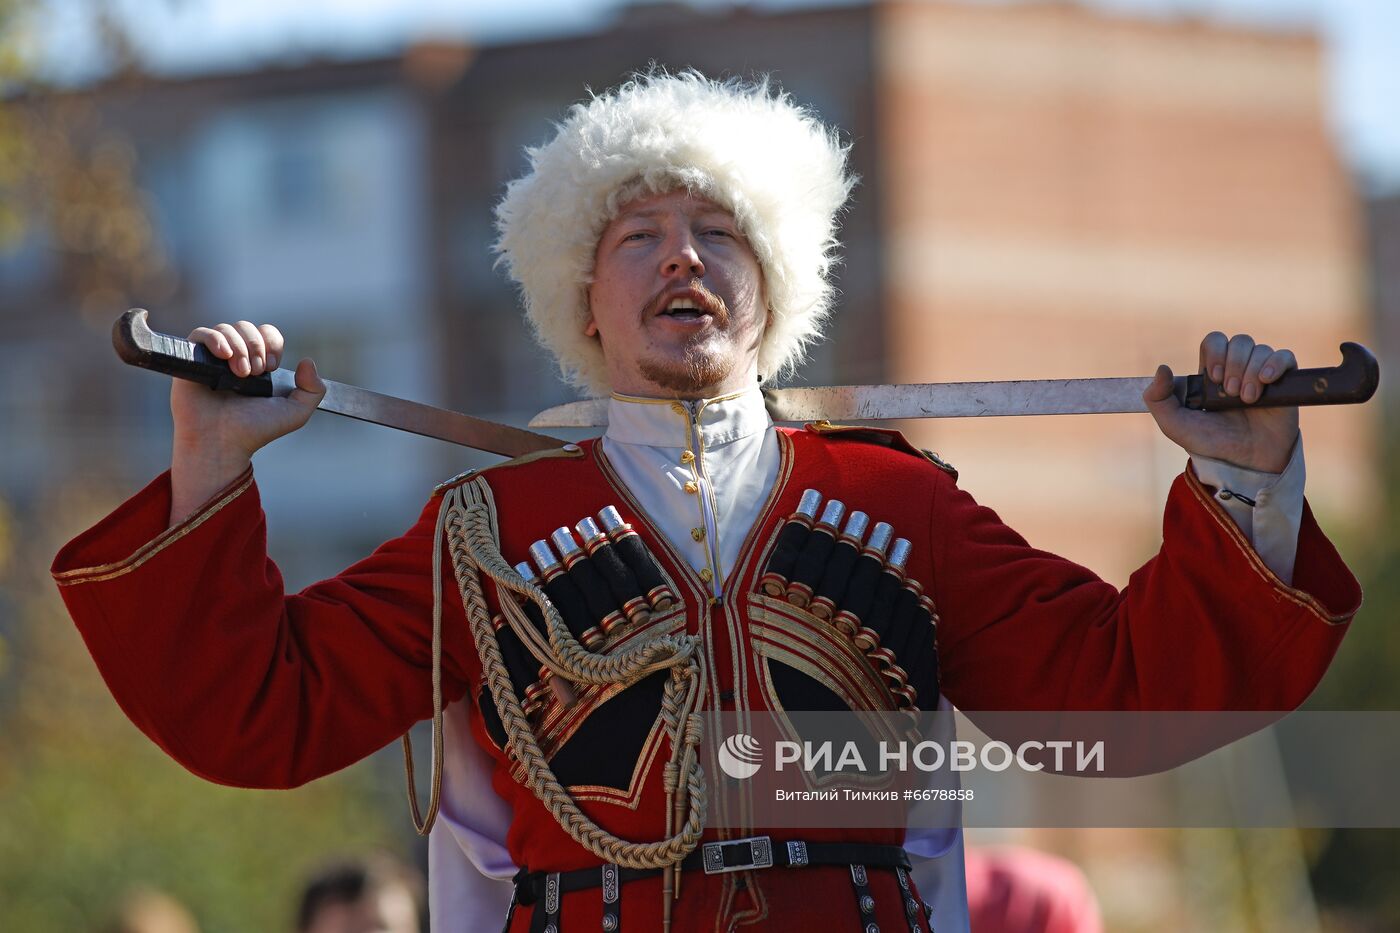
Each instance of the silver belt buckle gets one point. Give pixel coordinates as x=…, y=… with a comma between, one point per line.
x=760, y=855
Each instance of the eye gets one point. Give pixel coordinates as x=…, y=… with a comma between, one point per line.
x=719, y=232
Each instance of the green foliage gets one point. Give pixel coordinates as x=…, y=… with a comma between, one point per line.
x=1355, y=871
x=70, y=178
x=89, y=808
x=1363, y=675
x=92, y=809
x=14, y=151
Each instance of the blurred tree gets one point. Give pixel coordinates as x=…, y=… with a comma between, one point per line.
x=67, y=178
x=14, y=154
x=89, y=808
x=1363, y=676
x=93, y=809
x=1355, y=870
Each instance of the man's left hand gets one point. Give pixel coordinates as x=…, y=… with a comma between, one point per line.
x=1255, y=438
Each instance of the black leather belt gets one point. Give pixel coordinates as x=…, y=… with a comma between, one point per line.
x=714, y=858
x=755, y=852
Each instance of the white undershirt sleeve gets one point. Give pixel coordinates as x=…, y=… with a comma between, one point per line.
x=1268, y=507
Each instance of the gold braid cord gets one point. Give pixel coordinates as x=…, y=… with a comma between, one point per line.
x=467, y=521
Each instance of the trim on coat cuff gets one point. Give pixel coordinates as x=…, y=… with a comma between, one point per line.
x=159, y=543
x=1301, y=597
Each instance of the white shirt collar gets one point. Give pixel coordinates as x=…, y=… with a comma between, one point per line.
x=665, y=422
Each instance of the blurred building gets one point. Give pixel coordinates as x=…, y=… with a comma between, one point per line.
x=1075, y=194
x=1047, y=191
x=1383, y=223
x=292, y=195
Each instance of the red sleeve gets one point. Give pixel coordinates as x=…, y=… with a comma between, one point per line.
x=240, y=683
x=1203, y=625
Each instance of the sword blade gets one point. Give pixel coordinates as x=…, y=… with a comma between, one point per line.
x=927, y=400
x=440, y=423
x=587, y=413
x=961, y=399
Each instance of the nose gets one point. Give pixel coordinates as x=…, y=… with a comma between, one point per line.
x=682, y=259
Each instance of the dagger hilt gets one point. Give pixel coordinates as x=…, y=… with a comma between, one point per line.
x=138, y=345
x=1355, y=380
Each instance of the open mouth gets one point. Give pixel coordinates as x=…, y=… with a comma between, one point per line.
x=685, y=308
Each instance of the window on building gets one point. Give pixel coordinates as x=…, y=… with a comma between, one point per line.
x=297, y=188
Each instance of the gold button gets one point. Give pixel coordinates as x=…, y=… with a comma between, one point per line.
x=698, y=534
x=687, y=457
x=706, y=575
x=691, y=488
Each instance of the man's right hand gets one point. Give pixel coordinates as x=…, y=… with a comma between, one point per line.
x=217, y=433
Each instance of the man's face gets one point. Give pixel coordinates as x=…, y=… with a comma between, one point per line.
x=660, y=254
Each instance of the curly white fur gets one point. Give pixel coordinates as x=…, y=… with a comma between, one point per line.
x=772, y=164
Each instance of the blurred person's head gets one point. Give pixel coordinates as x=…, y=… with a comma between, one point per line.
x=377, y=894
x=697, y=153
x=1013, y=889
x=145, y=910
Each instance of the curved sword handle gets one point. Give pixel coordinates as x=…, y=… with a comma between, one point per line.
x=138, y=345
x=1355, y=380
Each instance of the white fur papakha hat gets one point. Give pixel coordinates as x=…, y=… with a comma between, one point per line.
x=770, y=163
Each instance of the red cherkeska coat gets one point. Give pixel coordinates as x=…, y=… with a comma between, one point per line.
x=245, y=685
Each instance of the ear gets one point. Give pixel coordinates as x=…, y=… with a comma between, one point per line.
x=590, y=323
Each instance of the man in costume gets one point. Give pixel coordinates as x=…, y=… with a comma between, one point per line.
x=673, y=243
